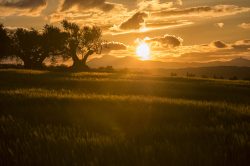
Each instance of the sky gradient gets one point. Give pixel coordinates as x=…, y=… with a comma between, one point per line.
x=178, y=30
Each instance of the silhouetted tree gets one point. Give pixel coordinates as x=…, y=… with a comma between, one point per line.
x=33, y=47
x=53, y=41
x=27, y=46
x=82, y=43
x=5, y=42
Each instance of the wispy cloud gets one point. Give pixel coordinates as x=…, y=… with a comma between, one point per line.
x=245, y=25
x=242, y=45
x=203, y=11
x=154, y=5
x=91, y=15
x=87, y=4
x=179, y=2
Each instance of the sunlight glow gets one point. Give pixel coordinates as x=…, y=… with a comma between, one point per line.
x=143, y=29
x=143, y=51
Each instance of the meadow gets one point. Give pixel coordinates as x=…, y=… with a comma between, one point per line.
x=136, y=119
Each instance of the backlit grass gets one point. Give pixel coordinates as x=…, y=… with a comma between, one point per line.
x=89, y=118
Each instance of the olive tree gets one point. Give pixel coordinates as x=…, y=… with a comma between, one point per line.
x=33, y=47
x=82, y=43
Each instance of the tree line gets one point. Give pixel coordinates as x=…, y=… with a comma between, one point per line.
x=33, y=46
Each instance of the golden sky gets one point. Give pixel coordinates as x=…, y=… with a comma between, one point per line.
x=177, y=30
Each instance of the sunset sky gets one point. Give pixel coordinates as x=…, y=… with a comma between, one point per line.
x=180, y=30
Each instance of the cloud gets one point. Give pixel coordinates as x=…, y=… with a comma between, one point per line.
x=88, y=4
x=210, y=52
x=218, y=44
x=110, y=46
x=158, y=25
x=89, y=14
x=115, y=46
x=135, y=22
x=22, y=7
x=245, y=25
x=179, y=2
x=24, y=4
x=201, y=11
x=149, y=25
x=154, y=5
x=167, y=41
x=177, y=52
x=242, y=45
x=161, y=13
x=220, y=24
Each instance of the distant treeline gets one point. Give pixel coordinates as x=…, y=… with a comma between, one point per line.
x=216, y=72
x=33, y=46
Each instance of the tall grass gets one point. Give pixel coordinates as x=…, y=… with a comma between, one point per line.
x=122, y=119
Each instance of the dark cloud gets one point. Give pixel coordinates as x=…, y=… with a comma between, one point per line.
x=200, y=10
x=218, y=44
x=116, y=46
x=87, y=4
x=135, y=22
x=24, y=4
x=167, y=41
x=109, y=46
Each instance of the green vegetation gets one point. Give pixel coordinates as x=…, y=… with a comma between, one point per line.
x=49, y=118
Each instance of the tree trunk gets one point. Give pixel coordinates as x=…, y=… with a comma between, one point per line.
x=81, y=64
x=32, y=63
x=85, y=58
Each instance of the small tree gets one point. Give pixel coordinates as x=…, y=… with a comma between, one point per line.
x=82, y=43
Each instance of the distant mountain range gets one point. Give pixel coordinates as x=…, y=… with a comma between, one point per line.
x=132, y=62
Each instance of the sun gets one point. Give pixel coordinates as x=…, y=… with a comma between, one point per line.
x=143, y=51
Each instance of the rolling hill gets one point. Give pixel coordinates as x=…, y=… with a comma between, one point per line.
x=132, y=62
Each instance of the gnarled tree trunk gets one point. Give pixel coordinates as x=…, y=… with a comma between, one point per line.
x=81, y=64
x=86, y=56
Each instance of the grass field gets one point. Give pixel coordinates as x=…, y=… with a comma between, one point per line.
x=116, y=119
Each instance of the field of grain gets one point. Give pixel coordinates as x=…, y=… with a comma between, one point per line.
x=49, y=118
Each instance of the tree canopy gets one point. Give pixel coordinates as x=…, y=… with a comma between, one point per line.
x=33, y=46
